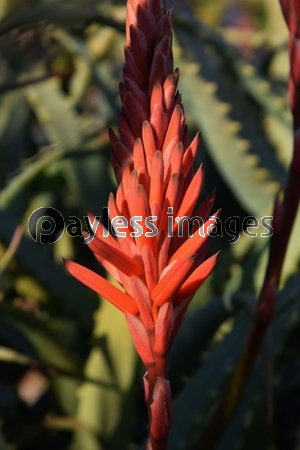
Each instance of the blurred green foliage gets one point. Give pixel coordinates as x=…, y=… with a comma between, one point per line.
x=69, y=375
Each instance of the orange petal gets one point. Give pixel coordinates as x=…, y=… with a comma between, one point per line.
x=193, y=244
x=110, y=268
x=177, y=159
x=205, y=208
x=194, y=281
x=172, y=280
x=149, y=267
x=140, y=339
x=163, y=244
x=156, y=96
x=112, y=207
x=138, y=155
x=102, y=232
x=143, y=209
x=100, y=285
x=171, y=200
x=120, y=198
x=191, y=196
x=144, y=179
x=174, y=127
x=157, y=176
x=142, y=297
x=148, y=139
x=118, y=258
x=114, y=212
x=163, y=329
x=130, y=20
x=156, y=210
x=126, y=176
x=179, y=241
x=170, y=81
x=169, y=92
x=168, y=155
x=130, y=195
x=159, y=123
x=190, y=155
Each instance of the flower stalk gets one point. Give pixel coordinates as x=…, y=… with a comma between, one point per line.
x=284, y=214
x=159, y=268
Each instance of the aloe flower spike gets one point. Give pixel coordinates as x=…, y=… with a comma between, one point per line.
x=158, y=268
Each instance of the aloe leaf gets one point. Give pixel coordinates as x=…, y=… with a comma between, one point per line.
x=251, y=419
x=237, y=84
x=48, y=158
x=59, y=120
x=26, y=176
x=257, y=87
x=90, y=176
x=281, y=138
x=99, y=408
x=67, y=16
x=4, y=8
x=18, y=351
x=256, y=416
x=50, y=351
x=201, y=393
x=3, y=444
x=9, y=355
x=82, y=67
x=196, y=334
x=252, y=188
x=14, y=117
x=72, y=298
x=261, y=91
x=205, y=387
x=14, y=114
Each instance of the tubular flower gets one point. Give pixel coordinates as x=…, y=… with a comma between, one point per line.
x=157, y=260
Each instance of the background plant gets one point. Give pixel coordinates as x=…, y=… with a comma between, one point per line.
x=76, y=358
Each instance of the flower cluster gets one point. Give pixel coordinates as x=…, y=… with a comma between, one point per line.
x=153, y=163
